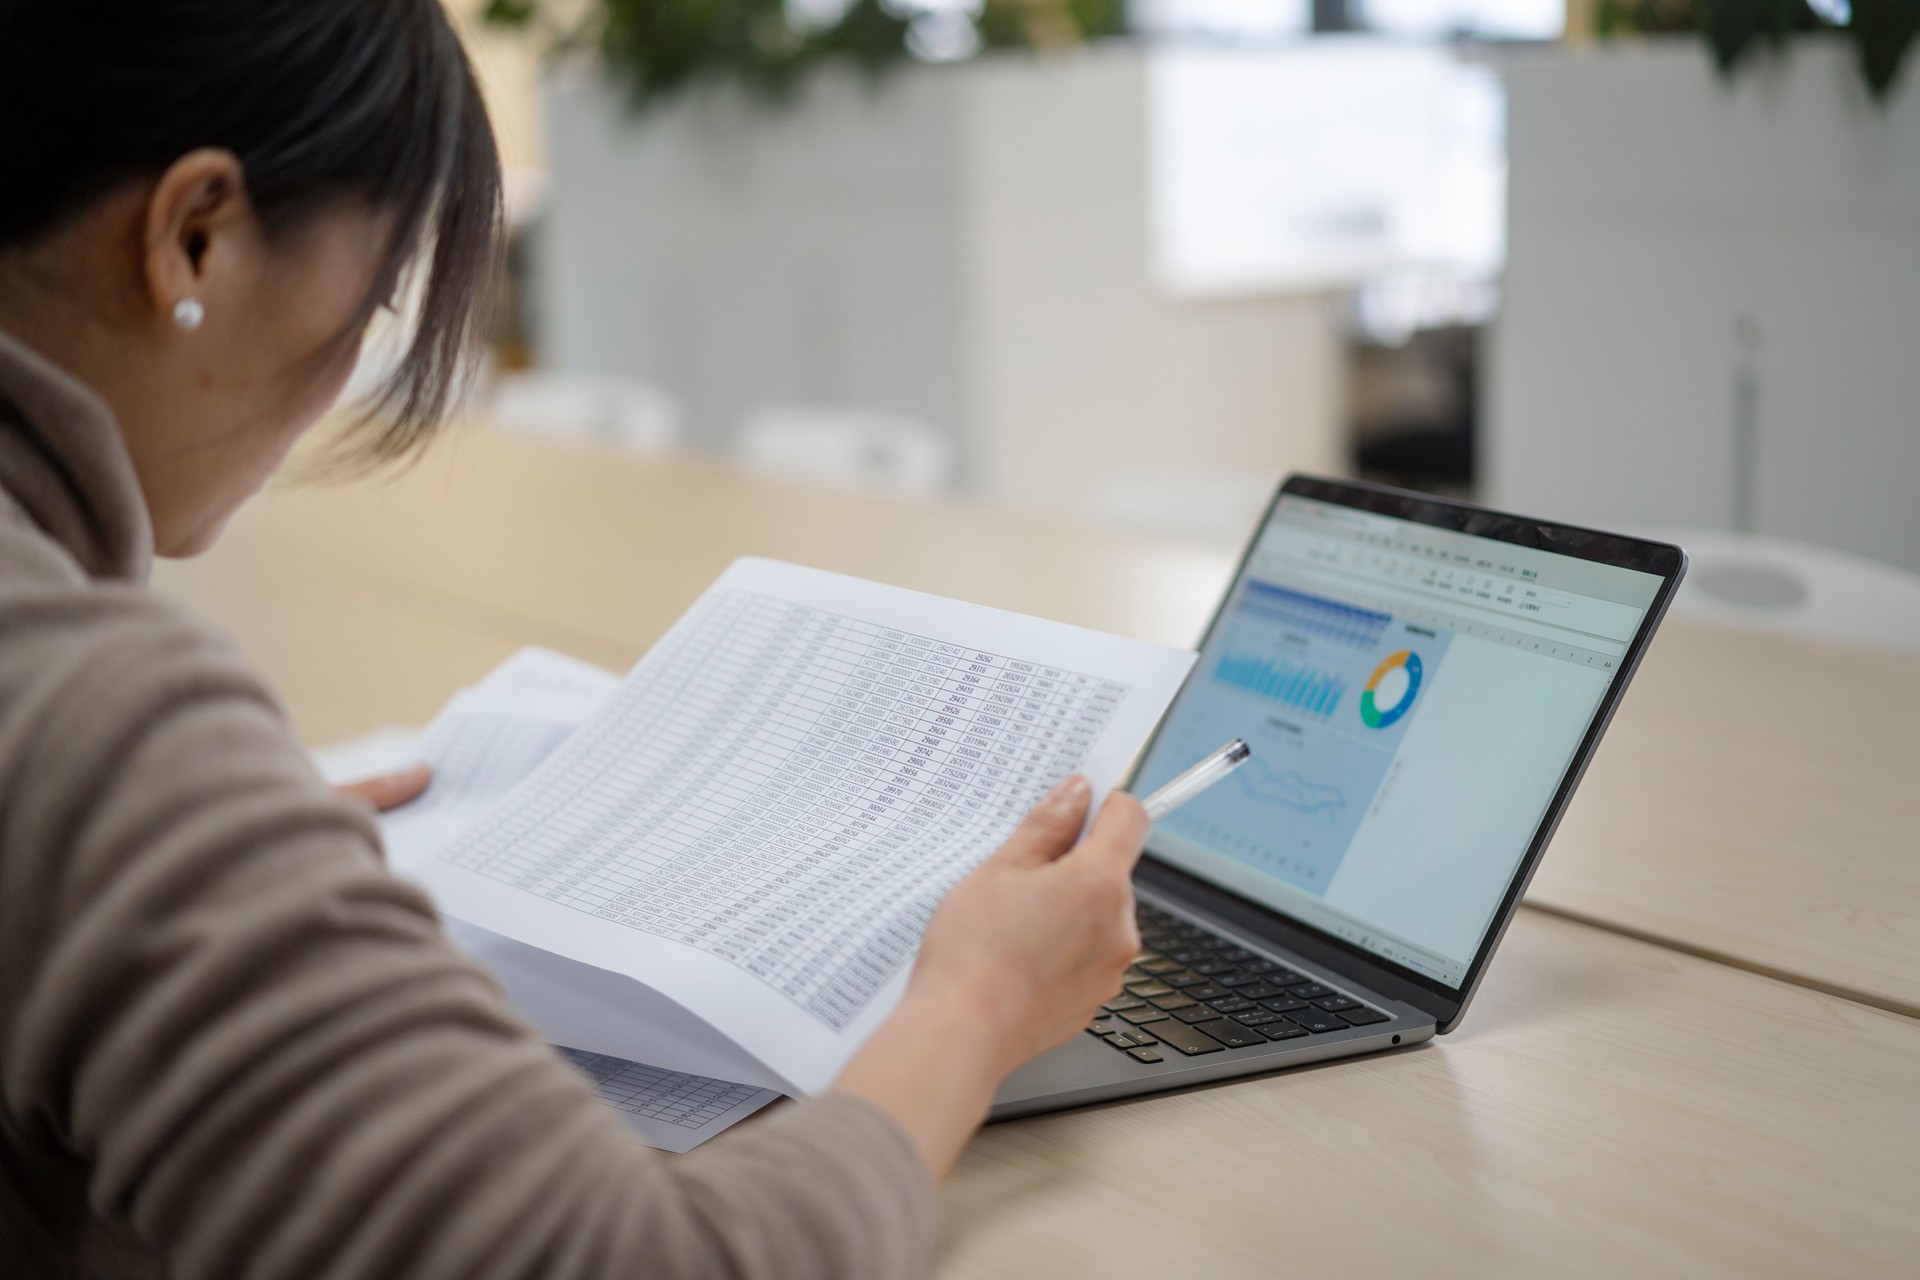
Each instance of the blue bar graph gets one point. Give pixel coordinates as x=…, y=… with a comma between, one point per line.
x=1302, y=687
x=1320, y=616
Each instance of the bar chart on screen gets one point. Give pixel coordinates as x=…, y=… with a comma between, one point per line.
x=1296, y=685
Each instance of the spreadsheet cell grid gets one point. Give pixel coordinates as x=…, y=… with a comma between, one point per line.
x=677, y=1098
x=781, y=810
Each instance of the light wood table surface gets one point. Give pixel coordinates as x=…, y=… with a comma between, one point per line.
x=1757, y=800
x=1608, y=1107
x=1752, y=803
x=613, y=549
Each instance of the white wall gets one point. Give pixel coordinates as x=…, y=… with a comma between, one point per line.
x=1085, y=368
x=737, y=255
x=1712, y=298
x=967, y=246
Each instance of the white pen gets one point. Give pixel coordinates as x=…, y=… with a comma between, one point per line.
x=1197, y=779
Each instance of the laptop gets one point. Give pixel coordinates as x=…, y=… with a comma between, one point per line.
x=1422, y=683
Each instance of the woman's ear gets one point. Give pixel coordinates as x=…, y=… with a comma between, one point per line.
x=200, y=237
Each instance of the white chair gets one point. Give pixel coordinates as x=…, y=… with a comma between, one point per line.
x=1775, y=584
x=590, y=407
x=855, y=448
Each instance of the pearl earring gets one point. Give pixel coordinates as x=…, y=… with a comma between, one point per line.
x=188, y=313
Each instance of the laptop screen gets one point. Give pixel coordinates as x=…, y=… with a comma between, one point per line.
x=1414, y=697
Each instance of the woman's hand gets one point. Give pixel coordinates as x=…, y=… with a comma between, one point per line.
x=1013, y=963
x=1032, y=942
x=389, y=790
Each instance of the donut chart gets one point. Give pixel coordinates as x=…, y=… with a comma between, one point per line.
x=1391, y=689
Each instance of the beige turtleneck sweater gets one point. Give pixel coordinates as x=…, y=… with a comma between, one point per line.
x=232, y=1044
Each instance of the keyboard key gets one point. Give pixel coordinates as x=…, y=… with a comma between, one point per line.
x=1205, y=981
x=1231, y=1034
x=1316, y=1021
x=1282, y=1030
x=1100, y=1028
x=1187, y=1039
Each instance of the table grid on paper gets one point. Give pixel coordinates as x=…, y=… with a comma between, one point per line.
x=672, y=1096
x=480, y=756
x=793, y=790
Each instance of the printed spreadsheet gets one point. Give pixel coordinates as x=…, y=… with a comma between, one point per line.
x=792, y=791
x=671, y=1097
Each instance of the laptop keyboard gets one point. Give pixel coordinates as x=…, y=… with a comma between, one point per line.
x=1195, y=992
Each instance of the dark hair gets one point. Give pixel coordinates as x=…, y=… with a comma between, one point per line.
x=320, y=100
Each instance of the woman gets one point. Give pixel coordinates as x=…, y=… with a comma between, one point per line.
x=230, y=1042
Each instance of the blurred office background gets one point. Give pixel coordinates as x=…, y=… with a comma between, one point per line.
x=1135, y=264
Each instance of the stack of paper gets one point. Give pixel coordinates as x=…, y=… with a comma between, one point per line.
x=486, y=740
x=721, y=865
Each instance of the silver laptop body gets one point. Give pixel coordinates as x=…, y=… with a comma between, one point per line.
x=1423, y=683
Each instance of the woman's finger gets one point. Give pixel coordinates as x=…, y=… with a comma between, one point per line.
x=389, y=790
x=1052, y=827
x=1113, y=842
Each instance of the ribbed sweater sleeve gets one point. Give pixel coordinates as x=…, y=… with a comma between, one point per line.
x=257, y=1055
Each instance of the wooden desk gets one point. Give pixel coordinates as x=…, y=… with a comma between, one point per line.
x=1756, y=801
x=1608, y=1107
x=615, y=549
x=1752, y=802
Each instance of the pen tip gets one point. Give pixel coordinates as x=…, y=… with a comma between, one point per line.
x=1239, y=750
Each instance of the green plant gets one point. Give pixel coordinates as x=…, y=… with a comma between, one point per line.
x=659, y=47
x=1881, y=30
